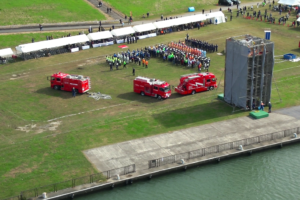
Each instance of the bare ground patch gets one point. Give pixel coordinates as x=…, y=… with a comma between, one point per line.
x=52, y=126
x=22, y=169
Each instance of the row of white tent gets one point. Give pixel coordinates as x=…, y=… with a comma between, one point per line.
x=48, y=44
x=289, y=2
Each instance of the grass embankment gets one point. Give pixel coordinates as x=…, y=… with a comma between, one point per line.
x=18, y=12
x=167, y=7
x=40, y=156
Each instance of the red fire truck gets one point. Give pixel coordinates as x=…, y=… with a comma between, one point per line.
x=66, y=82
x=151, y=87
x=196, y=82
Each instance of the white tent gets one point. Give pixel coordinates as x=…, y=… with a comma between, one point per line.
x=122, y=31
x=6, y=52
x=144, y=27
x=182, y=20
x=198, y=18
x=289, y=2
x=164, y=24
x=100, y=35
x=48, y=44
x=216, y=15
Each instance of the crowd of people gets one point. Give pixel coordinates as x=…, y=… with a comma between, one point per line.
x=178, y=53
x=203, y=45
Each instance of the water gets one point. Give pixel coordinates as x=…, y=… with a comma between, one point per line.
x=272, y=174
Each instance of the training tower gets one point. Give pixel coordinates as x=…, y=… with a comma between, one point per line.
x=248, y=71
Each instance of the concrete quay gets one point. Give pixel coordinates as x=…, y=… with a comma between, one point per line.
x=140, y=151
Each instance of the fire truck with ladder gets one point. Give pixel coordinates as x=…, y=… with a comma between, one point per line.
x=151, y=87
x=66, y=82
x=196, y=82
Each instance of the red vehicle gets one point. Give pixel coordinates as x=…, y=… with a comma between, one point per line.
x=151, y=87
x=66, y=82
x=197, y=82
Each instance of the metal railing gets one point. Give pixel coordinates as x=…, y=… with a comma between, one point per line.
x=93, y=178
x=222, y=147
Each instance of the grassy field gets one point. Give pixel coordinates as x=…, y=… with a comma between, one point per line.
x=46, y=11
x=167, y=7
x=40, y=155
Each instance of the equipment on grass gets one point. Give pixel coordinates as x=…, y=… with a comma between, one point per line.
x=98, y=95
x=66, y=82
x=196, y=82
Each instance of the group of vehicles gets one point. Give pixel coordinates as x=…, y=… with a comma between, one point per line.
x=188, y=84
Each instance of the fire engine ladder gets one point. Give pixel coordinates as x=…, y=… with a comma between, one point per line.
x=89, y=80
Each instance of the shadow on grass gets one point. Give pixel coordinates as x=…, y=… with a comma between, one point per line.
x=204, y=112
x=55, y=93
x=132, y=96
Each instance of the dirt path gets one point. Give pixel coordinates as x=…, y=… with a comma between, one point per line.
x=112, y=15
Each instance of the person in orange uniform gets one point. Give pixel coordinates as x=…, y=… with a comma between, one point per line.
x=143, y=62
x=146, y=63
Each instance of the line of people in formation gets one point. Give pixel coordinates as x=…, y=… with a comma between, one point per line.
x=139, y=57
x=203, y=45
x=181, y=54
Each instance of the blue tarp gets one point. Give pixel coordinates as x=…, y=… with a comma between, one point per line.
x=191, y=9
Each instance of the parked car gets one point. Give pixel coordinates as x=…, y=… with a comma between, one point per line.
x=225, y=2
x=236, y=2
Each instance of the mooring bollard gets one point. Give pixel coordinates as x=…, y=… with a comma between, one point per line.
x=295, y=135
x=241, y=148
x=182, y=161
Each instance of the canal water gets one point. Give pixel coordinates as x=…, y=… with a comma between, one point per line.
x=271, y=174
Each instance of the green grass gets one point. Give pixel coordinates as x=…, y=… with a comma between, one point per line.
x=46, y=11
x=32, y=159
x=167, y=7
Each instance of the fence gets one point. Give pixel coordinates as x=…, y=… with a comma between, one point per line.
x=222, y=147
x=93, y=178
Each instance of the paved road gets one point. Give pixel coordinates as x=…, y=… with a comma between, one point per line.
x=107, y=24
x=293, y=111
